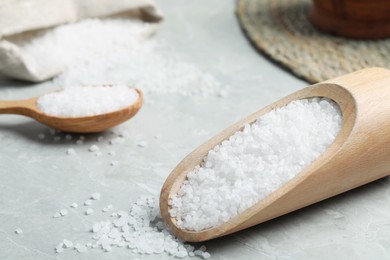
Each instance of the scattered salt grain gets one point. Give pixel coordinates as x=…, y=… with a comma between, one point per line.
x=52, y=131
x=100, y=138
x=142, y=144
x=222, y=93
x=56, y=215
x=63, y=212
x=95, y=196
x=74, y=205
x=117, y=140
x=89, y=211
x=114, y=163
x=70, y=151
x=88, y=202
x=79, y=142
x=87, y=101
x=96, y=227
x=41, y=136
x=68, y=137
x=111, y=153
x=57, y=138
x=198, y=252
x=254, y=162
x=59, y=248
x=141, y=230
x=98, y=153
x=80, y=248
x=206, y=255
x=93, y=148
x=18, y=231
x=107, y=208
x=82, y=138
x=67, y=243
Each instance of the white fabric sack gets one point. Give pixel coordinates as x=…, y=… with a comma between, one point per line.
x=22, y=20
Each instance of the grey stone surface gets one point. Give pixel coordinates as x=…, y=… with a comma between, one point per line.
x=37, y=178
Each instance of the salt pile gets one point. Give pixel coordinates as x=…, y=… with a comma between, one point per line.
x=115, y=51
x=140, y=230
x=254, y=162
x=87, y=101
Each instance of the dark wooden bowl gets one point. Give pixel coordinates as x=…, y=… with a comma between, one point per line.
x=365, y=19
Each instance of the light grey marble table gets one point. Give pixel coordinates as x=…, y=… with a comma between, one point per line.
x=37, y=178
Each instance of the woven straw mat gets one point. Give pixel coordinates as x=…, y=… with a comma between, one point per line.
x=280, y=28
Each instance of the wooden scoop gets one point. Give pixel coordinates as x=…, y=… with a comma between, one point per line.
x=360, y=153
x=85, y=124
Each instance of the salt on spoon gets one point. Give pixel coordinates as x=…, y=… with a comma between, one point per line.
x=358, y=155
x=98, y=109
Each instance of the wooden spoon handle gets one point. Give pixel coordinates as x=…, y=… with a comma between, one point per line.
x=19, y=107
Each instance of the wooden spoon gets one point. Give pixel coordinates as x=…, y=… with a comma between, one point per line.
x=85, y=124
x=360, y=153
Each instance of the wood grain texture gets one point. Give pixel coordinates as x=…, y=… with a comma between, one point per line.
x=358, y=155
x=368, y=19
x=87, y=124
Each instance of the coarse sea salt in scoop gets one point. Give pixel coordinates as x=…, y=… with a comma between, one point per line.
x=255, y=162
x=87, y=101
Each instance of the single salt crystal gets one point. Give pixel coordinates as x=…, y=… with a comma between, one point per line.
x=80, y=248
x=117, y=140
x=107, y=208
x=198, y=252
x=18, y=231
x=52, y=131
x=87, y=100
x=142, y=144
x=56, y=215
x=89, y=211
x=93, y=148
x=114, y=163
x=95, y=196
x=63, y=212
x=88, y=202
x=68, y=137
x=111, y=153
x=67, y=243
x=82, y=138
x=254, y=162
x=96, y=227
x=70, y=151
x=222, y=93
x=59, y=248
x=74, y=205
x=121, y=243
x=57, y=138
x=206, y=255
x=79, y=142
x=100, y=138
x=41, y=136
